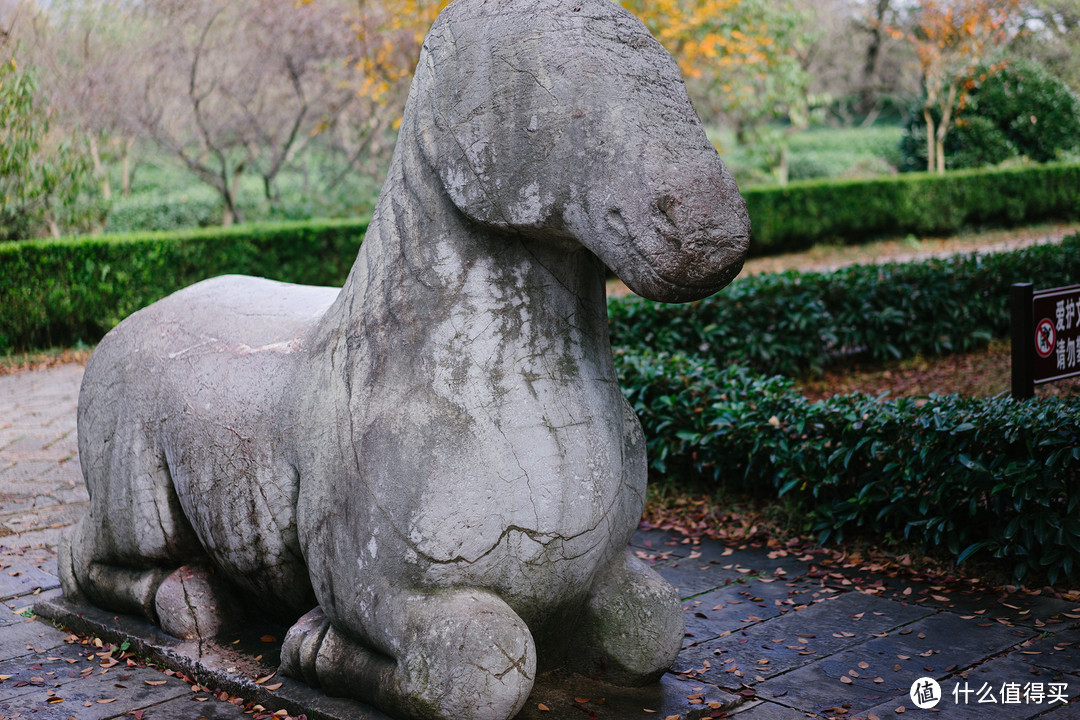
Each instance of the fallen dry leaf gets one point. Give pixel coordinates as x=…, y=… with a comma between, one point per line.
x=275, y=686
x=155, y=682
x=268, y=638
x=542, y=707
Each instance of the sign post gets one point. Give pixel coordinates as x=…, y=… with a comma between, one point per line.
x=1023, y=378
x=1045, y=336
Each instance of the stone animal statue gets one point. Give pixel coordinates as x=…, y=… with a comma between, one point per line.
x=437, y=457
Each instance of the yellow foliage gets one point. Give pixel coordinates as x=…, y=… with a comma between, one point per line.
x=720, y=45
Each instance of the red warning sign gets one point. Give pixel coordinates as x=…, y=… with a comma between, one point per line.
x=1045, y=338
x=1056, y=315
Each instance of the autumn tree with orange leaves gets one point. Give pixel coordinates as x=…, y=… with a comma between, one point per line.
x=950, y=38
x=740, y=58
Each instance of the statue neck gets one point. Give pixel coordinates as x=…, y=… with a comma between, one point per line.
x=425, y=273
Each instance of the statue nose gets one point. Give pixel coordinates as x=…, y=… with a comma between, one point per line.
x=706, y=231
x=687, y=217
x=666, y=203
x=696, y=212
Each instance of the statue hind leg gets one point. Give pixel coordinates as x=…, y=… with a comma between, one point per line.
x=632, y=626
x=460, y=654
x=134, y=551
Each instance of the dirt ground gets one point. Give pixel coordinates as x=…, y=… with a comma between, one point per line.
x=985, y=373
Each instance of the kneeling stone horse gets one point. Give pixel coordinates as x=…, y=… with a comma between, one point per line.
x=437, y=457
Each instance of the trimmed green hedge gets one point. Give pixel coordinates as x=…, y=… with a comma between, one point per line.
x=964, y=475
x=58, y=292
x=790, y=322
x=796, y=216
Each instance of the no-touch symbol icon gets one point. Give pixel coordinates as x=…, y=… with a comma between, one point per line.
x=1045, y=338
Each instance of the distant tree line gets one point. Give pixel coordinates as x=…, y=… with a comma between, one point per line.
x=255, y=88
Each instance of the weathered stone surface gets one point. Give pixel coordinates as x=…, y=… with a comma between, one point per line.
x=438, y=455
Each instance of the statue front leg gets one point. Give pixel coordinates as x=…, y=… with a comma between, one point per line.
x=455, y=654
x=633, y=625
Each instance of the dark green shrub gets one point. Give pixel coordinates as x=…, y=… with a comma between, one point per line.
x=57, y=292
x=799, y=215
x=1035, y=110
x=964, y=475
x=791, y=322
x=1019, y=109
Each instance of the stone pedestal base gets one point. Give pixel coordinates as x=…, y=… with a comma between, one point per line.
x=234, y=661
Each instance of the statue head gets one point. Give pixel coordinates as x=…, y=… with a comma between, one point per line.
x=568, y=120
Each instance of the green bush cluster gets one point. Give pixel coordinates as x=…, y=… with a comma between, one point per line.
x=1019, y=110
x=964, y=475
x=58, y=292
x=161, y=208
x=799, y=215
x=43, y=185
x=792, y=322
x=833, y=153
x=149, y=211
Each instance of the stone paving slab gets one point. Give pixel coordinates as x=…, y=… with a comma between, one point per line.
x=24, y=581
x=1059, y=652
x=979, y=694
x=722, y=612
x=768, y=649
x=743, y=605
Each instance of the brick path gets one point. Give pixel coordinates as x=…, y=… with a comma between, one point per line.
x=795, y=640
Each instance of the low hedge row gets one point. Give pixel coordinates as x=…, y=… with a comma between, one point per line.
x=797, y=216
x=790, y=322
x=965, y=475
x=58, y=292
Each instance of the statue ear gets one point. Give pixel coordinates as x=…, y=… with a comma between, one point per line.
x=485, y=124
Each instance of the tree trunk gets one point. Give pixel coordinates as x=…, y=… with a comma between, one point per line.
x=931, y=140
x=125, y=167
x=232, y=213
x=868, y=104
x=99, y=171
x=783, y=170
x=943, y=127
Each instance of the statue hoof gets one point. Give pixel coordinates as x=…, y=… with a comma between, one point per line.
x=301, y=647
x=192, y=603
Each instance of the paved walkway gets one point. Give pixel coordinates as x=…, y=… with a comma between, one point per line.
x=770, y=635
